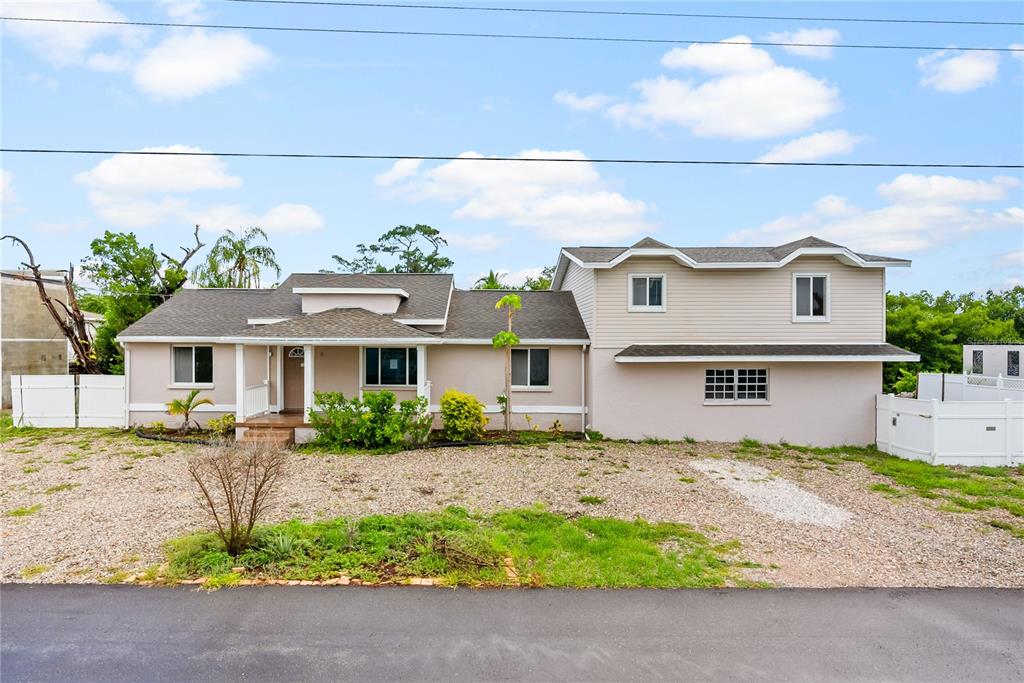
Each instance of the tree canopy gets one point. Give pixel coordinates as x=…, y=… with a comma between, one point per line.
x=237, y=260
x=416, y=249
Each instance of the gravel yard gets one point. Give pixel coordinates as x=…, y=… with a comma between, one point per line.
x=89, y=506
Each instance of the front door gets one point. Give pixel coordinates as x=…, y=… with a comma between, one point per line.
x=294, y=380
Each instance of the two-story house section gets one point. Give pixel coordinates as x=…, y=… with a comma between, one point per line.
x=718, y=343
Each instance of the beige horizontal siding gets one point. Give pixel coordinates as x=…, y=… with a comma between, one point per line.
x=580, y=281
x=740, y=306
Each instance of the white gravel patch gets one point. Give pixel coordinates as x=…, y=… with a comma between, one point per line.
x=778, y=497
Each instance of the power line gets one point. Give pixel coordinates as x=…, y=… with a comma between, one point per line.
x=625, y=13
x=570, y=160
x=510, y=36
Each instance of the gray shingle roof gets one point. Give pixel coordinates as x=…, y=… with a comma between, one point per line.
x=337, y=323
x=718, y=254
x=545, y=315
x=428, y=292
x=782, y=350
x=206, y=313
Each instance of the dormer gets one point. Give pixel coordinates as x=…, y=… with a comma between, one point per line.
x=383, y=300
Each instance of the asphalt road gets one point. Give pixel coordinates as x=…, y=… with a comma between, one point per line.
x=277, y=633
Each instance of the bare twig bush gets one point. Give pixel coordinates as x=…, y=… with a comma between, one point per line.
x=236, y=485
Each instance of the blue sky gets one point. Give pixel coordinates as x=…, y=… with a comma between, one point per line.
x=116, y=88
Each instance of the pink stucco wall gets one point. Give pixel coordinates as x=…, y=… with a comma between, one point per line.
x=810, y=403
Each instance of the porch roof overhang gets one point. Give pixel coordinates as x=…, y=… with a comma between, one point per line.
x=778, y=353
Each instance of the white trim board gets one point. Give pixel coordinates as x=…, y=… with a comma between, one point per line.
x=841, y=253
x=527, y=410
x=394, y=291
x=162, y=408
x=767, y=359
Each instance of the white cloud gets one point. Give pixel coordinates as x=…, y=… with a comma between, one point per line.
x=1019, y=54
x=142, y=191
x=184, y=10
x=189, y=64
x=45, y=82
x=916, y=220
x=131, y=174
x=65, y=44
x=752, y=97
x=961, y=73
x=475, y=242
x=403, y=168
x=815, y=146
x=557, y=201
x=815, y=36
x=1013, y=259
x=112, y=62
x=7, y=195
x=911, y=188
x=283, y=218
x=576, y=102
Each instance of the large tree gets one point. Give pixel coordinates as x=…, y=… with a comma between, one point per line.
x=415, y=249
x=132, y=280
x=237, y=260
x=493, y=280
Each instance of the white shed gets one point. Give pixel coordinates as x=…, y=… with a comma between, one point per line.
x=992, y=360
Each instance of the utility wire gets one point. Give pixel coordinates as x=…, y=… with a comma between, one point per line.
x=438, y=157
x=625, y=13
x=514, y=36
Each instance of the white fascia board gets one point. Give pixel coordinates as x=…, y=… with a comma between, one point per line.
x=331, y=341
x=843, y=254
x=524, y=342
x=171, y=340
x=420, y=321
x=766, y=359
x=265, y=321
x=394, y=291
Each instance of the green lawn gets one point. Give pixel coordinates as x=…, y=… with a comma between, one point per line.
x=525, y=547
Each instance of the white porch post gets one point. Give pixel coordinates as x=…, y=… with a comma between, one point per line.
x=239, y=383
x=280, y=378
x=308, y=354
x=421, y=371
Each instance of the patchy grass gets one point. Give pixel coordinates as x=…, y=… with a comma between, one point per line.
x=591, y=500
x=688, y=480
x=23, y=512
x=887, y=490
x=1017, y=531
x=528, y=547
x=60, y=487
x=34, y=570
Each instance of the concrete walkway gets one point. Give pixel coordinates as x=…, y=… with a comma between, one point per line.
x=122, y=633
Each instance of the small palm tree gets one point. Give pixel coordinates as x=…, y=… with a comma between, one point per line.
x=492, y=280
x=185, y=406
x=506, y=339
x=237, y=261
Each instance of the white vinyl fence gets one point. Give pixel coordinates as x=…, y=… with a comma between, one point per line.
x=68, y=400
x=951, y=387
x=951, y=432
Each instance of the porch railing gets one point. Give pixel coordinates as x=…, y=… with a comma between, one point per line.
x=256, y=399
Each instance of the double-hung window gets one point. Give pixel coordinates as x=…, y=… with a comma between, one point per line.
x=646, y=292
x=811, y=298
x=389, y=366
x=192, y=365
x=723, y=385
x=530, y=368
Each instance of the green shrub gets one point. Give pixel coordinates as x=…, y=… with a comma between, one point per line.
x=158, y=427
x=463, y=416
x=594, y=435
x=370, y=422
x=222, y=426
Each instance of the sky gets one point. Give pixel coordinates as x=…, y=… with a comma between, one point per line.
x=132, y=88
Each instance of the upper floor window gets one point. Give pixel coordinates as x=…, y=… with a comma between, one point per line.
x=978, y=362
x=192, y=365
x=810, y=297
x=389, y=366
x=646, y=292
x=1013, y=363
x=529, y=368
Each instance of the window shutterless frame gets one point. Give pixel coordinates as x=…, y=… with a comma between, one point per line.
x=375, y=372
x=195, y=366
x=810, y=288
x=536, y=372
x=655, y=286
x=736, y=386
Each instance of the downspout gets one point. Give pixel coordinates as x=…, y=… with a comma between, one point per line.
x=583, y=390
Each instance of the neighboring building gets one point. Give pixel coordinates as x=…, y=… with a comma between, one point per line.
x=30, y=342
x=649, y=340
x=993, y=359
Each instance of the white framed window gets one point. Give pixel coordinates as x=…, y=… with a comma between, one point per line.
x=736, y=385
x=530, y=368
x=192, y=365
x=389, y=366
x=647, y=292
x=811, y=297
x=977, y=362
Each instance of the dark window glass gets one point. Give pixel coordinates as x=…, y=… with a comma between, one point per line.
x=538, y=367
x=412, y=366
x=803, y=296
x=1013, y=363
x=818, y=297
x=183, y=364
x=204, y=364
x=639, y=291
x=654, y=291
x=743, y=384
x=520, y=367
x=978, y=362
x=372, y=366
x=392, y=366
